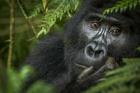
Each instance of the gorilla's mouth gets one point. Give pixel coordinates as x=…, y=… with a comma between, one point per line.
x=92, y=72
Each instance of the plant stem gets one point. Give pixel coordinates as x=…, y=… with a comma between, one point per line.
x=11, y=28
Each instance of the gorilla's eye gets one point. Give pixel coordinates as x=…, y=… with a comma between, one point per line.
x=94, y=24
x=115, y=31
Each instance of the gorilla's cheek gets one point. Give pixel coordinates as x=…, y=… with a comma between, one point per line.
x=119, y=45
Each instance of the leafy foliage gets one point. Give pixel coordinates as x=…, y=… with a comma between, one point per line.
x=40, y=87
x=64, y=8
x=28, y=13
x=33, y=18
x=14, y=81
x=123, y=5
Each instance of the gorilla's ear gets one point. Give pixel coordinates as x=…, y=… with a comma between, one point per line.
x=99, y=3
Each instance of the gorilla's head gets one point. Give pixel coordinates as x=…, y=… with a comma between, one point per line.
x=93, y=37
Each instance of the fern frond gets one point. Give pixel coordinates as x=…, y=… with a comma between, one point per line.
x=36, y=11
x=122, y=6
x=65, y=7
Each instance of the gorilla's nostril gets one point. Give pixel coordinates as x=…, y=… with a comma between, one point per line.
x=98, y=53
x=90, y=51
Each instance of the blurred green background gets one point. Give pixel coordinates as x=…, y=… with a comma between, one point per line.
x=32, y=20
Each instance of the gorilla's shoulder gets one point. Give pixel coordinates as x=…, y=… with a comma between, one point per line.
x=47, y=49
x=52, y=41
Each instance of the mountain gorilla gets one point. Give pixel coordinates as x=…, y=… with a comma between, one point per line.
x=91, y=44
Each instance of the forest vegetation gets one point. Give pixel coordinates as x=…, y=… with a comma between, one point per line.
x=24, y=22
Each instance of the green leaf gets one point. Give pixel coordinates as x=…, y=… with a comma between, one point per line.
x=40, y=87
x=122, y=5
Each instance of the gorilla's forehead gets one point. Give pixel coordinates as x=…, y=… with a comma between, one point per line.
x=100, y=16
x=115, y=19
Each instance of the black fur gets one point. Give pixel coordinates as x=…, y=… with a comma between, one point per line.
x=55, y=56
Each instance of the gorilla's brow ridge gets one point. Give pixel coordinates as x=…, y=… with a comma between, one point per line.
x=102, y=17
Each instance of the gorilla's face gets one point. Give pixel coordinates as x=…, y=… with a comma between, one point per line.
x=105, y=37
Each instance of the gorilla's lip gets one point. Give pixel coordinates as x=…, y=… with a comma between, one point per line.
x=85, y=63
x=108, y=60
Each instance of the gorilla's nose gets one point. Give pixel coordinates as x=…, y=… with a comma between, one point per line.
x=95, y=52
